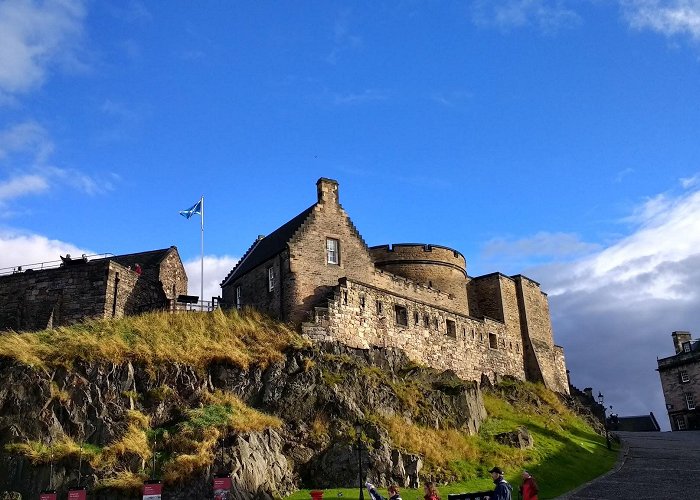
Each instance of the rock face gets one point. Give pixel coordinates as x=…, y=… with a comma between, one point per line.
x=318, y=394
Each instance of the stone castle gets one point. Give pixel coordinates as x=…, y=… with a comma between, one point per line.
x=317, y=272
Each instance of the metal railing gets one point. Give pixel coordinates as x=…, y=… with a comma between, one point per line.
x=51, y=264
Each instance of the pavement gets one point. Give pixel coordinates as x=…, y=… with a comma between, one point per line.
x=651, y=465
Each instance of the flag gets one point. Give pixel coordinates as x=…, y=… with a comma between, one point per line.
x=196, y=209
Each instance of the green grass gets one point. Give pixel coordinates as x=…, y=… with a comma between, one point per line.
x=567, y=452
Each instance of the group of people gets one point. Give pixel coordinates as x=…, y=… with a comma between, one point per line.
x=502, y=491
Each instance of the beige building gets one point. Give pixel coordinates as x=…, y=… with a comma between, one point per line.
x=317, y=272
x=37, y=296
x=680, y=381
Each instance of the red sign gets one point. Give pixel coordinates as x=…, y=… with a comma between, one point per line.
x=77, y=494
x=48, y=495
x=152, y=491
x=222, y=488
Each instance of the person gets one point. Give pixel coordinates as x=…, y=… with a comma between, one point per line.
x=528, y=489
x=503, y=490
x=431, y=492
x=393, y=492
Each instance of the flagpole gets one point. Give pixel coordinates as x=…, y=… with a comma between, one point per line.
x=201, y=288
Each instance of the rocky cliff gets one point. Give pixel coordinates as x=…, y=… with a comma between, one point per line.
x=274, y=426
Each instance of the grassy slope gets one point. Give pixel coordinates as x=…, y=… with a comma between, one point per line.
x=567, y=452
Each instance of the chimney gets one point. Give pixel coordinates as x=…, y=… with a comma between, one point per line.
x=327, y=190
x=679, y=338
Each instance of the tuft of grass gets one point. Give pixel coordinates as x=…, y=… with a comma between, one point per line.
x=157, y=338
x=59, y=394
x=38, y=452
x=122, y=480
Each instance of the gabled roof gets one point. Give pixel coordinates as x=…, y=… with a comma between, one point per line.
x=152, y=258
x=267, y=247
x=638, y=423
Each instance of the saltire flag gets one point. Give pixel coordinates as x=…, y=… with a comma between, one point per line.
x=196, y=209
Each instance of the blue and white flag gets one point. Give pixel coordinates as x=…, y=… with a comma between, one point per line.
x=196, y=209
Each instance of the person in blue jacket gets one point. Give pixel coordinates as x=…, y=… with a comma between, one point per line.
x=503, y=490
x=393, y=492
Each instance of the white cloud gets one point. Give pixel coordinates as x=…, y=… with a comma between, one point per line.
x=34, y=36
x=26, y=137
x=668, y=17
x=614, y=311
x=21, y=249
x=215, y=270
x=343, y=38
x=548, y=15
x=20, y=186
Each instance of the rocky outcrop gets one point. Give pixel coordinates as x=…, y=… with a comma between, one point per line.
x=318, y=393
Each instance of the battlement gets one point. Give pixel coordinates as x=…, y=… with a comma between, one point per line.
x=418, y=253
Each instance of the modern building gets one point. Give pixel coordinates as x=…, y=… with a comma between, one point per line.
x=42, y=296
x=680, y=381
x=317, y=272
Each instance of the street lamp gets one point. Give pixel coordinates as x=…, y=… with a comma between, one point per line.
x=601, y=401
x=358, y=433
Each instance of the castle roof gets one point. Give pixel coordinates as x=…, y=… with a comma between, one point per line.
x=151, y=258
x=267, y=247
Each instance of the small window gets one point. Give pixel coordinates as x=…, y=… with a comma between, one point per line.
x=689, y=401
x=270, y=279
x=684, y=377
x=416, y=318
x=401, y=315
x=680, y=423
x=380, y=307
x=686, y=346
x=517, y=347
x=345, y=297
x=451, y=328
x=473, y=334
x=238, y=297
x=426, y=321
x=362, y=302
x=437, y=323
x=481, y=336
x=493, y=341
x=332, y=251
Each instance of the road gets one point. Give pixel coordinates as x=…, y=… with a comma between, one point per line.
x=652, y=465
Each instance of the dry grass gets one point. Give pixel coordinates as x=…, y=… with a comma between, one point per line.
x=40, y=453
x=242, y=418
x=157, y=338
x=122, y=480
x=438, y=446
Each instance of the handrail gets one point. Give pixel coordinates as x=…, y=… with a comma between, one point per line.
x=51, y=264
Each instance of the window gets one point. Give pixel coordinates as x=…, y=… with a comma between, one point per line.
x=451, y=328
x=332, y=251
x=426, y=321
x=238, y=297
x=689, y=401
x=380, y=308
x=270, y=279
x=401, y=315
x=684, y=376
x=680, y=423
x=437, y=323
x=493, y=341
x=416, y=319
x=345, y=297
x=362, y=302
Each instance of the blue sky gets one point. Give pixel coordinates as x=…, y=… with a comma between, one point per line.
x=558, y=139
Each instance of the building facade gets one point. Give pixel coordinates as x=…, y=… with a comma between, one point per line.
x=77, y=289
x=317, y=272
x=680, y=381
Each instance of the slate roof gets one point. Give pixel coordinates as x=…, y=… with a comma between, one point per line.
x=638, y=423
x=267, y=247
x=148, y=259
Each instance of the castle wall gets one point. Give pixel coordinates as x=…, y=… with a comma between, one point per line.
x=34, y=300
x=172, y=276
x=255, y=290
x=473, y=347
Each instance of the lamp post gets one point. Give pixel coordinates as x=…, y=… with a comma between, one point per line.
x=601, y=401
x=358, y=433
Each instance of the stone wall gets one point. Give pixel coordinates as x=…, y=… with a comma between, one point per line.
x=172, y=276
x=34, y=300
x=255, y=290
x=363, y=316
x=680, y=374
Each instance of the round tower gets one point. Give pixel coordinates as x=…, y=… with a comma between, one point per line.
x=434, y=266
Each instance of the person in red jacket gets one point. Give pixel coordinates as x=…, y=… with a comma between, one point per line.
x=431, y=492
x=528, y=489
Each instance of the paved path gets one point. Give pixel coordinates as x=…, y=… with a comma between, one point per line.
x=652, y=465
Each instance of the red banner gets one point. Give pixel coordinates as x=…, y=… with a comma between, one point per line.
x=152, y=491
x=77, y=494
x=222, y=488
x=48, y=495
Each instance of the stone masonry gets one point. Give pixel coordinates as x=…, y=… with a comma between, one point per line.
x=680, y=381
x=98, y=288
x=317, y=272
